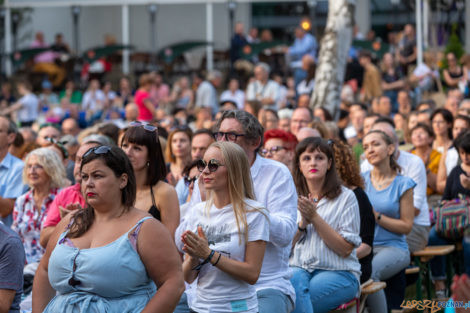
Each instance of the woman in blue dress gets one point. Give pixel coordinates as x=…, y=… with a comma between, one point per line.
x=110, y=256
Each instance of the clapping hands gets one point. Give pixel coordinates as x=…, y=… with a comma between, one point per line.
x=307, y=208
x=196, y=245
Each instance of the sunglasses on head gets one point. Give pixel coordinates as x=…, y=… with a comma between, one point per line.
x=97, y=150
x=145, y=126
x=188, y=180
x=213, y=165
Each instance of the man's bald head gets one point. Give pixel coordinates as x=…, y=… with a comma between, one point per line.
x=386, y=128
x=307, y=132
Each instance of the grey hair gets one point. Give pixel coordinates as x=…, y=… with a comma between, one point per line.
x=251, y=126
x=285, y=113
x=264, y=66
x=214, y=75
x=52, y=165
x=101, y=139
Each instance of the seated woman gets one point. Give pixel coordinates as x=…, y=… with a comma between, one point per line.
x=178, y=153
x=454, y=73
x=450, y=157
x=421, y=138
x=141, y=144
x=45, y=175
x=349, y=172
x=457, y=186
x=279, y=146
x=229, y=231
x=109, y=256
x=442, y=120
x=391, y=196
x=324, y=263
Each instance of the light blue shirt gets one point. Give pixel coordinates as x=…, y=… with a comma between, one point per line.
x=387, y=202
x=302, y=46
x=11, y=182
x=182, y=191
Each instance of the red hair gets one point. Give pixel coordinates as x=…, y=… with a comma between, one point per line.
x=287, y=137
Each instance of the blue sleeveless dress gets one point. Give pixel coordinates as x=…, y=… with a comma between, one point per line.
x=111, y=278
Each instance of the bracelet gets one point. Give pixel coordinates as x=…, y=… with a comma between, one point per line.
x=301, y=229
x=218, y=259
x=199, y=266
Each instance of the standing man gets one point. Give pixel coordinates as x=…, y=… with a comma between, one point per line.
x=305, y=43
x=275, y=190
x=11, y=168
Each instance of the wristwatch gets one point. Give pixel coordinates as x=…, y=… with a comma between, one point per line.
x=379, y=216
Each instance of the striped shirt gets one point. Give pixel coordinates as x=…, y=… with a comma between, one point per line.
x=342, y=214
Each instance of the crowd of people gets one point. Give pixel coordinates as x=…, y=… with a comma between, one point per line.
x=172, y=198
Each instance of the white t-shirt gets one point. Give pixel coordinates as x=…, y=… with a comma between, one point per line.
x=256, y=91
x=218, y=291
x=29, y=109
x=452, y=159
x=275, y=190
x=413, y=167
x=238, y=97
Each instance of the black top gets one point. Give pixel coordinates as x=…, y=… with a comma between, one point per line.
x=453, y=186
x=366, y=232
x=154, y=211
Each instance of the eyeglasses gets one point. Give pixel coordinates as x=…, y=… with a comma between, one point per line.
x=213, y=165
x=97, y=150
x=145, y=126
x=230, y=136
x=188, y=180
x=272, y=150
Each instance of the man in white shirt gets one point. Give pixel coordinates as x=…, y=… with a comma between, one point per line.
x=413, y=167
x=262, y=88
x=26, y=108
x=275, y=189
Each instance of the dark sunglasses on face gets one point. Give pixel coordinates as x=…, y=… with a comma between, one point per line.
x=213, y=165
x=97, y=150
x=230, y=136
x=188, y=180
x=272, y=150
x=147, y=127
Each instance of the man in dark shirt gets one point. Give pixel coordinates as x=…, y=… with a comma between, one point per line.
x=12, y=259
x=238, y=42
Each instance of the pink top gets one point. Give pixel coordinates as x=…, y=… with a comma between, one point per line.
x=144, y=113
x=67, y=196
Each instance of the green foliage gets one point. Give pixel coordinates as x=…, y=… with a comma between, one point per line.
x=453, y=45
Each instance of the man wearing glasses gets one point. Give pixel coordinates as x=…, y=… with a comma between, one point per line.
x=275, y=189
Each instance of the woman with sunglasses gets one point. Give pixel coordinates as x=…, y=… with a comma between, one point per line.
x=178, y=153
x=141, y=144
x=323, y=259
x=224, y=238
x=109, y=256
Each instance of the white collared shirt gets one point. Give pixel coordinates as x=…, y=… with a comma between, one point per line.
x=342, y=214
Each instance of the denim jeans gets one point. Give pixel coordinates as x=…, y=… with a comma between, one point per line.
x=387, y=262
x=438, y=263
x=274, y=301
x=322, y=291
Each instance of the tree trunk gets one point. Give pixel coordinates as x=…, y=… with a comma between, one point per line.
x=333, y=55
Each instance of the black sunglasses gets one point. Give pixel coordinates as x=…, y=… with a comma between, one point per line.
x=230, y=136
x=145, y=126
x=188, y=180
x=213, y=165
x=97, y=150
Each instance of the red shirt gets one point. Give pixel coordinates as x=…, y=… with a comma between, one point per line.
x=67, y=196
x=144, y=113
